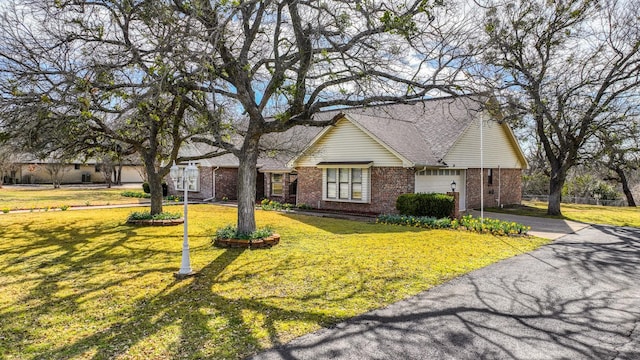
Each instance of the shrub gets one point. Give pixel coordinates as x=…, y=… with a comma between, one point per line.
x=231, y=232
x=493, y=226
x=267, y=204
x=6, y=210
x=304, y=206
x=146, y=215
x=147, y=189
x=135, y=194
x=433, y=205
x=227, y=232
x=271, y=205
x=64, y=207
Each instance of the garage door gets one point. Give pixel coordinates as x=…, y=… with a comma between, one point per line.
x=439, y=181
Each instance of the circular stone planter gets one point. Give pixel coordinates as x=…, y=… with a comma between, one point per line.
x=171, y=222
x=248, y=244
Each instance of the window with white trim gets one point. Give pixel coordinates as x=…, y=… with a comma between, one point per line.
x=345, y=184
x=277, y=184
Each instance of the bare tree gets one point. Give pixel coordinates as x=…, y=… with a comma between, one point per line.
x=620, y=153
x=571, y=65
x=7, y=162
x=273, y=64
x=77, y=75
x=56, y=166
x=279, y=62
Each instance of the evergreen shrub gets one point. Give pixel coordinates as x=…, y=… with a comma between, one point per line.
x=432, y=205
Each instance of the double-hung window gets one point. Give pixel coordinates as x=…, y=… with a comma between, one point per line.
x=345, y=184
x=277, y=185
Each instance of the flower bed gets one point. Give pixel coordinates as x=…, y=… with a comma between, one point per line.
x=162, y=219
x=266, y=242
x=151, y=222
x=468, y=223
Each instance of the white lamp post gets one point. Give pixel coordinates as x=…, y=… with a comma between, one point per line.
x=189, y=176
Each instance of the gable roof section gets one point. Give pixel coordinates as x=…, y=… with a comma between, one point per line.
x=419, y=133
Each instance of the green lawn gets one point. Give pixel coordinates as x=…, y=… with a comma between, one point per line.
x=592, y=214
x=41, y=197
x=84, y=285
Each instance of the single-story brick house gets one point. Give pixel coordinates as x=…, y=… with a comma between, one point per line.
x=374, y=154
x=30, y=170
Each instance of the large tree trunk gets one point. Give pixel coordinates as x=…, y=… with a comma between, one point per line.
x=556, y=182
x=155, y=185
x=247, y=174
x=625, y=187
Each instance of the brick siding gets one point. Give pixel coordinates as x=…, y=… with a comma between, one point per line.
x=387, y=183
x=507, y=185
x=227, y=183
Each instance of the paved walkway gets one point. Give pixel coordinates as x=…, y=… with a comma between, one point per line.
x=577, y=298
x=541, y=227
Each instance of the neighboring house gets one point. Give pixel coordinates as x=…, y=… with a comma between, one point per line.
x=374, y=154
x=37, y=171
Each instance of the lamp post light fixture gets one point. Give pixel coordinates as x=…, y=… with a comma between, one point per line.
x=453, y=186
x=186, y=177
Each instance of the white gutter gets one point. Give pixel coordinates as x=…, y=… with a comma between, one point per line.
x=213, y=184
x=481, y=171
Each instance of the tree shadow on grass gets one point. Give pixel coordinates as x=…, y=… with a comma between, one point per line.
x=192, y=309
x=204, y=323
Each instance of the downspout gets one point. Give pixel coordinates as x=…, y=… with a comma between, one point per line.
x=481, y=172
x=499, y=187
x=213, y=184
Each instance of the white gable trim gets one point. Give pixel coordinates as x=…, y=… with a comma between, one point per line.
x=405, y=162
x=516, y=145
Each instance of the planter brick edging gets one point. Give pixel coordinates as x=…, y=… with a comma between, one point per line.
x=248, y=244
x=171, y=222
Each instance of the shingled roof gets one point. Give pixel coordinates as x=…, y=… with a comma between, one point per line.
x=422, y=131
x=280, y=148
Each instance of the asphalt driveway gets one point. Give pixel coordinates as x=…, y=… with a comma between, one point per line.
x=577, y=298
